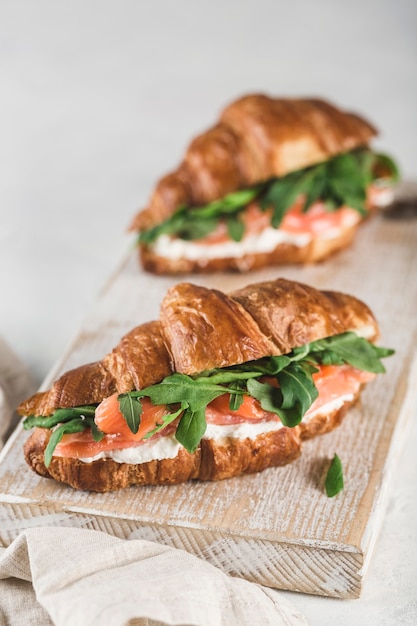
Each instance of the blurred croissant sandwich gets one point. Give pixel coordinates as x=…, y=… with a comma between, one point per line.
x=274, y=181
x=219, y=386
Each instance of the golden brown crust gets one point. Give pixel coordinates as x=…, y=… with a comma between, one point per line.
x=304, y=314
x=353, y=313
x=323, y=423
x=140, y=359
x=213, y=460
x=228, y=457
x=203, y=328
x=257, y=138
x=105, y=474
x=87, y=384
x=316, y=250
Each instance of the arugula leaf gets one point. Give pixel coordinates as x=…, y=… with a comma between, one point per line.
x=235, y=390
x=342, y=180
x=178, y=388
x=269, y=366
x=269, y=397
x=235, y=227
x=234, y=373
x=280, y=196
x=384, y=166
x=348, y=348
x=75, y=425
x=230, y=203
x=298, y=388
x=59, y=416
x=317, y=187
x=334, y=482
x=68, y=420
x=193, y=223
x=191, y=428
x=166, y=420
x=294, y=396
x=96, y=433
x=131, y=408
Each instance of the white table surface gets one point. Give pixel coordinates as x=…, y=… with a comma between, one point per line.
x=98, y=100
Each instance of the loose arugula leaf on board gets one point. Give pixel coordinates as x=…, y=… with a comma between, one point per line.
x=334, y=482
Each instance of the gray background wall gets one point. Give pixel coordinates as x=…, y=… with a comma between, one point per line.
x=98, y=99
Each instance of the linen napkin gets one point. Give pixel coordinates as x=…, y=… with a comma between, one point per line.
x=72, y=576
x=86, y=577
x=15, y=385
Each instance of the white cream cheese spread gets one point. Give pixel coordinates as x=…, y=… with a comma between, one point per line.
x=265, y=241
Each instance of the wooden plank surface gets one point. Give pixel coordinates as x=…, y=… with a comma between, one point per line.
x=277, y=527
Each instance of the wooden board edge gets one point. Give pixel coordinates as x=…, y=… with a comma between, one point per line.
x=313, y=569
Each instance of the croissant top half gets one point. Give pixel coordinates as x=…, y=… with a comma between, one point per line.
x=201, y=329
x=255, y=139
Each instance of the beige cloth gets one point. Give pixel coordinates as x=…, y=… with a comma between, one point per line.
x=88, y=577
x=68, y=576
x=15, y=385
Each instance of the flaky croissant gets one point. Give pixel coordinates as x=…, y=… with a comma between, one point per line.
x=257, y=139
x=200, y=330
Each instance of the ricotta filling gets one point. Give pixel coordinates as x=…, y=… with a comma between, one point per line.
x=168, y=447
x=384, y=196
x=263, y=242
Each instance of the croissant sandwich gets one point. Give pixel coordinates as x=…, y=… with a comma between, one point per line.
x=219, y=386
x=274, y=181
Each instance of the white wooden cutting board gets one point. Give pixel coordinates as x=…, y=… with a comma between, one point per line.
x=277, y=528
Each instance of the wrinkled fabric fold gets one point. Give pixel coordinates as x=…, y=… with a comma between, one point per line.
x=86, y=577
x=15, y=384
